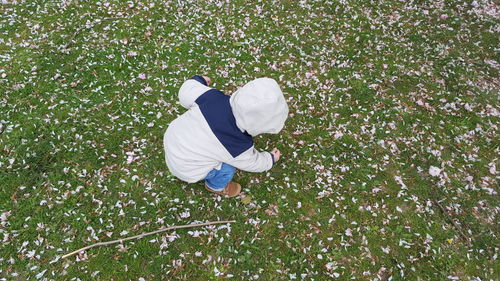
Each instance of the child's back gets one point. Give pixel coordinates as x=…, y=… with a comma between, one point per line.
x=218, y=129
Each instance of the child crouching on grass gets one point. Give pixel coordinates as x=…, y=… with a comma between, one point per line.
x=214, y=137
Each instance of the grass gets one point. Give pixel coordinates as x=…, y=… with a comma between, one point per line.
x=378, y=94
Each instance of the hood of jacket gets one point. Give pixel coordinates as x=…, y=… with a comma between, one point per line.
x=259, y=107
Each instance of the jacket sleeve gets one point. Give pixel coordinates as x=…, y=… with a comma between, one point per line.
x=191, y=89
x=253, y=161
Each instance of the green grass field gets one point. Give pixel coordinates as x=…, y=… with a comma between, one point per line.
x=389, y=154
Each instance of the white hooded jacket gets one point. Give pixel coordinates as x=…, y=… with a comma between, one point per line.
x=218, y=129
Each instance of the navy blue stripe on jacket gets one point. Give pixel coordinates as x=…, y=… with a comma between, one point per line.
x=200, y=79
x=215, y=107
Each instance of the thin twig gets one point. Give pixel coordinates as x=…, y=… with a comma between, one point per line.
x=96, y=22
x=144, y=235
x=455, y=224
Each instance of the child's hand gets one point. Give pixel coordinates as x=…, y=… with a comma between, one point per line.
x=276, y=153
x=209, y=81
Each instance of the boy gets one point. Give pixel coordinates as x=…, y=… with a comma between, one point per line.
x=214, y=137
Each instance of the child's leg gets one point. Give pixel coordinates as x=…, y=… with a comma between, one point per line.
x=218, y=179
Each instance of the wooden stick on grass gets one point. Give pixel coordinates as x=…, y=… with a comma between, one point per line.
x=79, y=29
x=453, y=222
x=144, y=235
